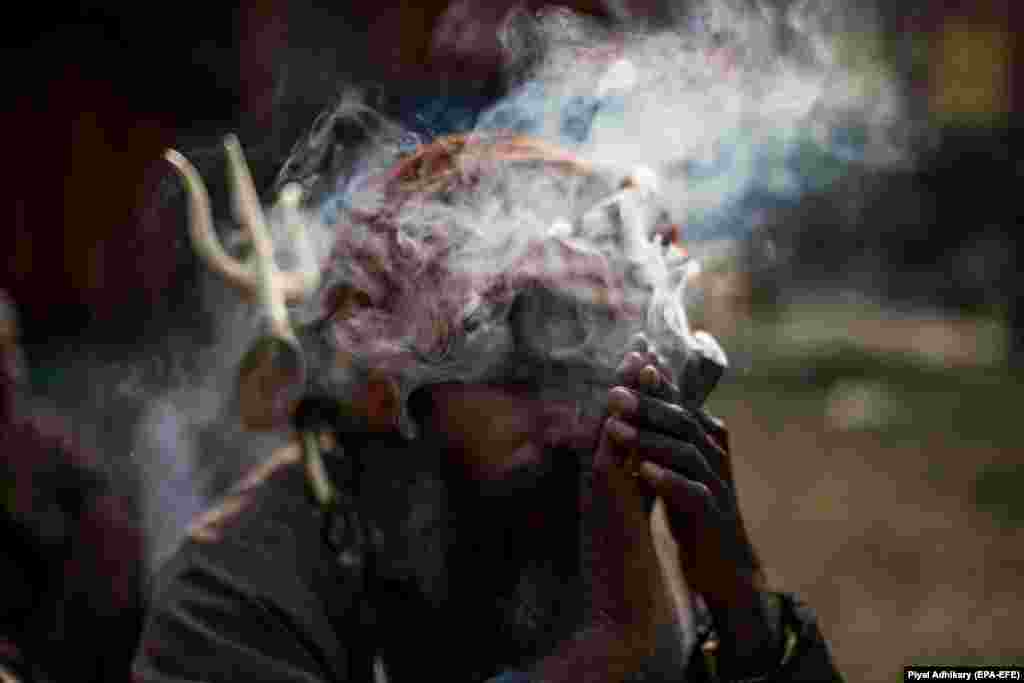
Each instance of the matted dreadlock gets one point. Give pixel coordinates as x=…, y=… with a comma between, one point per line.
x=479, y=256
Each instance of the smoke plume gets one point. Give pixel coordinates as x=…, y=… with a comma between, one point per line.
x=677, y=127
x=681, y=127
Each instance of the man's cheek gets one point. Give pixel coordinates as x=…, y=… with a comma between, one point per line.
x=486, y=432
x=513, y=481
x=488, y=452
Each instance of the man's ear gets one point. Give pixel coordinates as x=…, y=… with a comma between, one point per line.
x=270, y=382
x=382, y=402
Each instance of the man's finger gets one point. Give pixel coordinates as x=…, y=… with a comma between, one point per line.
x=673, y=420
x=628, y=371
x=648, y=371
x=682, y=496
x=604, y=455
x=614, y=447
x=660, y=364
x=655, y=414
x=655, y=382
x=714, y=428
x=697, y=523
x=673, y=454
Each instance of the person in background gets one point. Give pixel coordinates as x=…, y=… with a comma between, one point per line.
x=72, y=602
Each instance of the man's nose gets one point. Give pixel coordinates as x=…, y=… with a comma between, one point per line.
x=566, y=426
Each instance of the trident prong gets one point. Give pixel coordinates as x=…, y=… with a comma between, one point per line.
x=259, y=278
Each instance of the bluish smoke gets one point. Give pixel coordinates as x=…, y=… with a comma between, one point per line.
x=751, y=174
x=174, y=496
x=744, y=169
x=733, y=126
x=429, y=116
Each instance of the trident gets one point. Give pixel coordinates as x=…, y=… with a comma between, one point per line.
x=273, y=369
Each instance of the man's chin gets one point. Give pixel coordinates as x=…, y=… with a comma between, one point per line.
x=522, y=474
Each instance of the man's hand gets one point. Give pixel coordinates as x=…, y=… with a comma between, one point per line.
x=652, y=446
x=629, y=605
x=677, y=453
x=683, y=457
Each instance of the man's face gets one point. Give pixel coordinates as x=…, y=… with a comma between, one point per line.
x=493, y=431
x=511, y=454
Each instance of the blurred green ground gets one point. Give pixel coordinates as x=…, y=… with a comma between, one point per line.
x=881, y=471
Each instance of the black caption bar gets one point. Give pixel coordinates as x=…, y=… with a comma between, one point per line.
x=963, y=673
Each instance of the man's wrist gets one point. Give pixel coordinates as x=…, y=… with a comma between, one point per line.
x=595, y=654
x=803, y=655
x=749, y=630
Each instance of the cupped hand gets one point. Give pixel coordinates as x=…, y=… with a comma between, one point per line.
x=682, y=455
x=627, y=599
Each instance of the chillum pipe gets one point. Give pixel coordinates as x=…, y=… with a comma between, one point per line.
x=702, y=367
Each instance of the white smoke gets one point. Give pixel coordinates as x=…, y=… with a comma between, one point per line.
x=189, y=444
x=719, y=105
x=734, y=98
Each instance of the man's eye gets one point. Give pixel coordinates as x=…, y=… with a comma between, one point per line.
x=484, y=314
x=346, y=301
x=472, y=323
x=547, y=322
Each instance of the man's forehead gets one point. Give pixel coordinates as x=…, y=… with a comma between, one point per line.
x=501, y=259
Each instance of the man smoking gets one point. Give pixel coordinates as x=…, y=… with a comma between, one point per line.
x=495, y=390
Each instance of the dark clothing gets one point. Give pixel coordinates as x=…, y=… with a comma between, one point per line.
x=71, y=608
x=257, y=593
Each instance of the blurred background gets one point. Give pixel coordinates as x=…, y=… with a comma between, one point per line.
x=875, y=320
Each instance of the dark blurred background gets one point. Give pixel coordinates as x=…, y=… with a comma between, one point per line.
x=99, y=92
x=876, y=324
